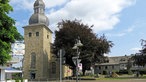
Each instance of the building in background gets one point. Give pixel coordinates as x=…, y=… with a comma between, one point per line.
x=4, y=71
x=116, y=64
x=18, y=51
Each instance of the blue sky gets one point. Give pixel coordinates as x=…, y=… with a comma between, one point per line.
x=122, y=21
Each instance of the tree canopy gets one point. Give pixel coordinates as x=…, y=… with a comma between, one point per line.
x=140, y=58
x=93, y=46
x=8, y=32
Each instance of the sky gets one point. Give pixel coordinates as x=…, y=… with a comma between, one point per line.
x=122, y=21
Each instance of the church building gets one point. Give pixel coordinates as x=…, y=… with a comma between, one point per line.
x=39, y=63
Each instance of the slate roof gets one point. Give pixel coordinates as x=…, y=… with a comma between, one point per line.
x=116, y=60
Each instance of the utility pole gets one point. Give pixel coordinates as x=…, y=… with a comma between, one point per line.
x=60, y=64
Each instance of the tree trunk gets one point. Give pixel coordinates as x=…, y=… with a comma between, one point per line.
x=83, y=72
x=74, y=72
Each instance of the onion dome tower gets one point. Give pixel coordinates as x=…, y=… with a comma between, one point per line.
x=38, y=17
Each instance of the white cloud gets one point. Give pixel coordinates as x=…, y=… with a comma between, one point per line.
x=123, y=33
x=129, y=29
x=103, y=14
x=135, y=50
x=116, y=35
x=21, y=24
x=54, y=3
x=28, y=4
x=22, y=4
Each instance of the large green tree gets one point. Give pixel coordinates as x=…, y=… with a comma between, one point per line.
x=93, y=46
x=140, y=58
x=8, y=32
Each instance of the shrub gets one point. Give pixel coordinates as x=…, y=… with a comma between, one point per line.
x=122, y=72
x=105, y=72
x=114, y=74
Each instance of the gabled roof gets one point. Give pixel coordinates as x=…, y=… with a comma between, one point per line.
x=116, y=60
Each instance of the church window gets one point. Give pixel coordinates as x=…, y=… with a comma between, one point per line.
x=53, y=68
x=33, y=60
x=47, y=36
x=30, y=34
x=37, y=33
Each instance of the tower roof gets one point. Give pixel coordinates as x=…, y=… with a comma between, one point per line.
x=38, y=17
x=39, y=3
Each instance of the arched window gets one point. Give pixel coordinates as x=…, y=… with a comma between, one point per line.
x=33, y=60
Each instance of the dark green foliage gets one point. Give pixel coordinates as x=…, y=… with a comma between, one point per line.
x=93, y=46
x=142, y=71
x=140, y=58
x=8, y=32
x=129, y=65
x=122, y=72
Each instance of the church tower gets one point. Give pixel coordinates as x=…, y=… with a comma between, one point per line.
x=37, y=37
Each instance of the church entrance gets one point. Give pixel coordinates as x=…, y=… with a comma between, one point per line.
x=32, y=75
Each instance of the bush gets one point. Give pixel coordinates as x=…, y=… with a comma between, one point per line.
x=130, y=72
x=105, y=72
x=142, y=71
x=122, y=72
x=114, y=74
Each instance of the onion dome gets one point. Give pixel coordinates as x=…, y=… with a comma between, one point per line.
x=38, y=17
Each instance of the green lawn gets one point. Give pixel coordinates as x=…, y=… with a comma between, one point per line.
x=122, y=77
x=114, y=78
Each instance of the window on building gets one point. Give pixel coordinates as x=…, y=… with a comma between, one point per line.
x=53, y=68
x=105, y=67
x=37, y=33
x=47, y=36
x=33, y=60
x=112, y=67
x=99, y=67
x=30, y=34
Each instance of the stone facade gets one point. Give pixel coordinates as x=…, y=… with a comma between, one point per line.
x=37, y=51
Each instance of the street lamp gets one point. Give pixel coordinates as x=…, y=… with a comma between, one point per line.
x=76, y=46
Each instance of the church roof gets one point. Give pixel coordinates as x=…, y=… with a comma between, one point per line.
x=38, y=17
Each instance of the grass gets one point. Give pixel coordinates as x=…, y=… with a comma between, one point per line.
x=121, y=77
